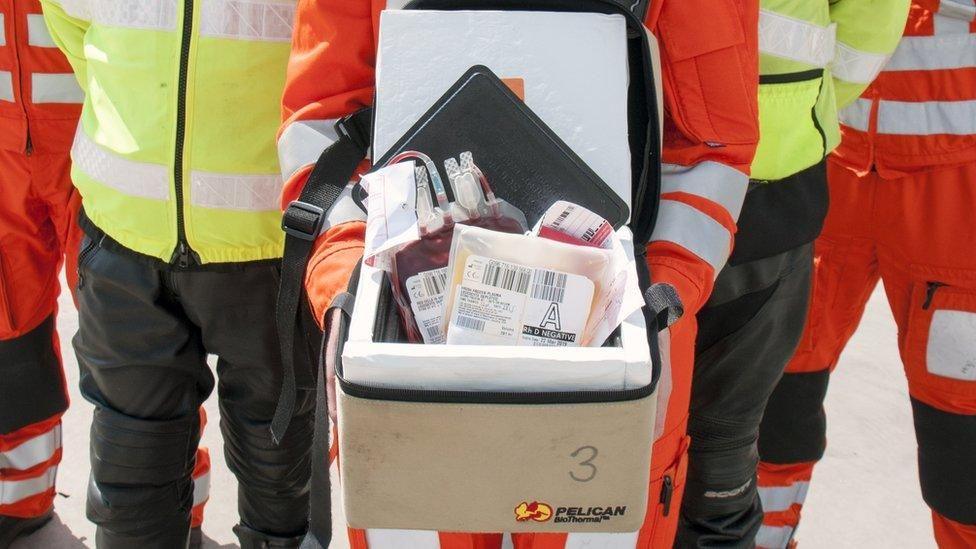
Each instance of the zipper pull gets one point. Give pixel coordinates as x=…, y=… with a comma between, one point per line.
x=29, y=148
x=184, y=256
x=930, y=293
x=667, y=490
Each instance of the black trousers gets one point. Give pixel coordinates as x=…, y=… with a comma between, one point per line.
x=145, y=333
x=747, y=333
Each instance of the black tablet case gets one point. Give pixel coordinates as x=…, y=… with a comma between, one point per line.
x=527, y=164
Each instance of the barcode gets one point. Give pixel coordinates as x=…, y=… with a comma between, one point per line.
x=549, y=286
x=434, y=281
x=562, y=217
x=470, y=323
x=507, y=277
x=433, y=333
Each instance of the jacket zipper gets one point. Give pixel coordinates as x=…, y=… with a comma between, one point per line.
x=667, y=491
x=15, y=44
x=933, y=287
x=183, y=256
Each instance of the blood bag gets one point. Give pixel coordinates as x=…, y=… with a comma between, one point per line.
x=508, y=289
x=419, y=269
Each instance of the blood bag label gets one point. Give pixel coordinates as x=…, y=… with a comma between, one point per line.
x=503, y=303
x=568, y=222
x=426, y=291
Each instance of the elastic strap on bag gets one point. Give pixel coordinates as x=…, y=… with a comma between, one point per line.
x=302, y=223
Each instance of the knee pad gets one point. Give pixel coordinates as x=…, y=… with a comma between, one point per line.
x=946, y=461
x=33, y=387
x=131, y=451
x=794, y=426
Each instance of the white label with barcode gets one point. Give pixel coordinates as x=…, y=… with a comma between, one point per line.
x=426, y=291
x=503, y=303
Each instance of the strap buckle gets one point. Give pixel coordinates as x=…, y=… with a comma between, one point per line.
x=303, y=220
x=356, y=127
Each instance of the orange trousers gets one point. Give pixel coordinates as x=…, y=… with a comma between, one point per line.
x=669, y=465
x=37, y=213
x=918, y=236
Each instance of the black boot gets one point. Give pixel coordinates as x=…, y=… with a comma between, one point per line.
x=196, y=538
x=12, y=528
x=252, y=539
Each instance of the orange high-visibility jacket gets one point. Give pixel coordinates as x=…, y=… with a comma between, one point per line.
x=920, y=113
x=709, y=51
x=40, y=100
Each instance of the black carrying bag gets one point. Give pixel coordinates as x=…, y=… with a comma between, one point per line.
x=303, y=344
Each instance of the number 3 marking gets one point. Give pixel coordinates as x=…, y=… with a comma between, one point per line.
x=587, y=463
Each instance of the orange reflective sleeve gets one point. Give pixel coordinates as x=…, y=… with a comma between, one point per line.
x=330, y=75
x=710, y=71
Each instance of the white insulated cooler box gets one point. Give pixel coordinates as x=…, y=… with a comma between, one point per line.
x=495, y=438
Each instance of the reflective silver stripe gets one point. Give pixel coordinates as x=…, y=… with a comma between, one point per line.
x=929, y=53
x=773, y=537
x=776, y=499
x=201, y=489
x=6, y=86
x=302, y=142
x=140, y=179
x=250, y=193
x=695, y=231
x=710, y=180
x=262, y=20
x=12, y=491
x=3, y=31
x=626, y=540
x=37, y=33
x=794, y=39
x=32, y=452
x=857, y=115
x=951, y=346
x=954, y=16
x=927, y=118
x=853, y=65
x=664, y=384
x=55, y=88
x=402, y=539
x=343, y=210
x=136, y=14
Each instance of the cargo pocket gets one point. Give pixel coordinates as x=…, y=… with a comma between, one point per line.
x=6, y=307
x=705, y=84
x=790, y=138
x=666, y=492
x=940, y=344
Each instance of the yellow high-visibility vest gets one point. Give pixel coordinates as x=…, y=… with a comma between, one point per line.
x=175, y=153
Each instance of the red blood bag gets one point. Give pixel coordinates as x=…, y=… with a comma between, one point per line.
x=419, y=269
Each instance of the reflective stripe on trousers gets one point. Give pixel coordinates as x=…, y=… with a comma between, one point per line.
x=776, y=499
x=33, y=452
x=773, y=537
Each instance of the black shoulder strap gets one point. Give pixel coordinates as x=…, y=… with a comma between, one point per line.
x=320, y=497
x=302, y=222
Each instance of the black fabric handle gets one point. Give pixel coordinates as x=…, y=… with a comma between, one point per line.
x=301, y=222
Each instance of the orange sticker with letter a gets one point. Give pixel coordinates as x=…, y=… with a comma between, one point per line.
x=537, y=511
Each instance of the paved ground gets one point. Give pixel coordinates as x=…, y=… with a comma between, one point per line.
x=865, y=493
